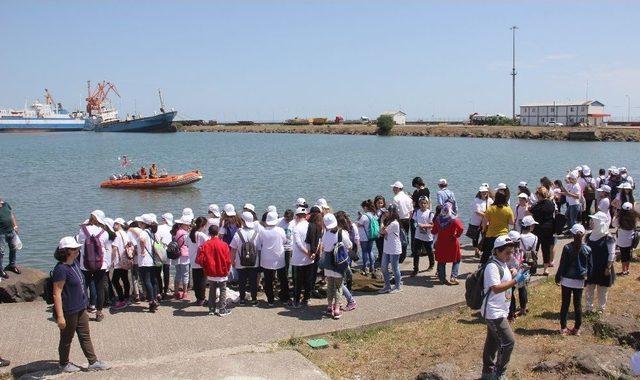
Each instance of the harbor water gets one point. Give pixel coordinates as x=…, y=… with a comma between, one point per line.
x=52, y=179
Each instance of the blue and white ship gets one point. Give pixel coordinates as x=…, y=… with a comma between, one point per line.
x=47, y=117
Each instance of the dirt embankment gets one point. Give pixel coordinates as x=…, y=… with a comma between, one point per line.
x=443, y=130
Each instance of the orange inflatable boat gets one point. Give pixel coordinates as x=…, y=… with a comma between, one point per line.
x=173, y=180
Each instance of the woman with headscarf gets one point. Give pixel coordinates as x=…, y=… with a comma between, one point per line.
x=448, y=229
x=603, y=256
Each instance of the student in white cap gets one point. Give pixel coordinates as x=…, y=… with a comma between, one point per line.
x=604, y=198
x=122, y=253
x=301, y=260
x=147, y=269
x=180, y=235
x=70, y=307
x=572, y=271
x=517, y=262
x=229, y=223
x=301, y=202
x=163, y=235
x=323, y=206
x=521, y=210
x=603, y=256
x=246, y=238
x=197, y=237
x=627, y=178
x=213, y=214
x=573, y=193
x=404, y=205
x=445, y=195
x=529, y=243
x=188, y=212
x=496, y=222
x=286, y=223
x=334, y=279
x=480, y=204
x=523, y=188
x=625, y=194
x=271, y=243
x=498, y=283
x=93, y=239
x=626, y=222
x=588, y=186
x=544, y=212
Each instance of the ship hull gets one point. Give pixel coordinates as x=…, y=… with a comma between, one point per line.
x=40, y=125
x=153, y=124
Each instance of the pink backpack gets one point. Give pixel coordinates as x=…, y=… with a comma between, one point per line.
x=93, y=252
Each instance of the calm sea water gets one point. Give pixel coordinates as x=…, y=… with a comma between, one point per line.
x=52, y=179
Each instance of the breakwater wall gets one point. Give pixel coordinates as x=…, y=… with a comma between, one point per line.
x=629, y=134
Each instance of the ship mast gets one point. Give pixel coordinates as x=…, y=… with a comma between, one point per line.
x=161, y=101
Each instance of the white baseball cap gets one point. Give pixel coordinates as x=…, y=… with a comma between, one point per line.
x=272, y=208
x=577, y=229
x=485, y=185
x=168, y=218
x=68, y=242
x=229, y=209
x=528, y=221
x=615, y=171
x=214, y=209
x=99, y=215
x=627, y=206
x=398, y=184
x=109, y=223
x=272, y=218
x=149, y=219
x=586, y=171
x=187, y=211
x=119, y=221
x=523, y=196
x=483, y=189
x=300, y=201
x=301, y=210
x=501, y=186
x=514, y=236
x=622, y=169
x=322, y=203
x=442, y=181
x=578, y=168
x=573, y=174
x=330, y=221
x=247, y=217
x=250, y=207
x=605, y=188
x=601, y=216
x=625, y=185
x=185, y=219
x=501, y=241
x=138, y=219
x=522, y=184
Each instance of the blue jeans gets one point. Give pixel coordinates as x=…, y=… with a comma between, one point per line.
x=442, y=270
x=572, y=215
x=367, y=255
x=8, y=238
x=149, y=282
x=394, y=260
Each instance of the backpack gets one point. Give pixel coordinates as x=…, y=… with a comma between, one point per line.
x=48, y=288
x=158, y=252
x=230, y=232
x=93, y=253
x=374, y=228
x=173, y=249
x=531, y=257
x=340, y=255
x=590, y=189
x=474, y=286
x=248, y=251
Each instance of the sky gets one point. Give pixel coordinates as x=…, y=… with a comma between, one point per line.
x=272, y=60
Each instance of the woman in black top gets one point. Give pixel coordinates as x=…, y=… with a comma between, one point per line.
x=314, y=234
x=420, y=191
x=543, y=212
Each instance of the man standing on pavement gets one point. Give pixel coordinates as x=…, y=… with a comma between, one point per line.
x=8, y=230
x=445, y=195
x=404, y=203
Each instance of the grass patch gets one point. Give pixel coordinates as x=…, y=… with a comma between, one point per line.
x=403, y=350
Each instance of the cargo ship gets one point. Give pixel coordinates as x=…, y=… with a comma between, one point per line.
x=103, y=117
x=41, y=117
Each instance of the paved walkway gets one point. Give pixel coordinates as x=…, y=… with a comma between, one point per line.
x=29, y=335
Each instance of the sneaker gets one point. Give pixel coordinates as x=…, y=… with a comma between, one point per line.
x=69, y=368
x=98, y=366
x=213, y=312
x=384, y=290
x=351, y=306
x=329, y=310
x=576, y=332
x=337, y=313
x=3, y=274
x=4, y=362
x=453, y=281
x=564, y=332
x=271, y=304
x=224, y=312
x=120, y=305
x=395, y=290
x=91, y=309
x=199, y=302
x=12, y=268
x=99, y=316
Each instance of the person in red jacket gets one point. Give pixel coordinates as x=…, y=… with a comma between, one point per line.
x=214, y=257
x=448, y=229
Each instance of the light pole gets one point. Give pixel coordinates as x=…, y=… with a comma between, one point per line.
x=513, y=74
x=628, y=108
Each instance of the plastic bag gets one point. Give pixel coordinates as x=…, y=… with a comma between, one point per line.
x=17, y=243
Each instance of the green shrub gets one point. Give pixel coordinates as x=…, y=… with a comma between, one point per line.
x=385, y=125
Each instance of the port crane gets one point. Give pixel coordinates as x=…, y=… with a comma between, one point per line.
x=98, y=96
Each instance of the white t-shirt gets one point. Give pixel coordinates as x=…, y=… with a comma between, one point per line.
x=603, y=205
x=299, y=258
x=392, y=243
x=624, y=238
x=163, y=235
x=363, y=226
x=497, y=305
x=519, y=213
x=270, y=243
x=201, y=238
x=573, y=188
x=121, y=240
x=212, y=222
x=404, y=203
x=479, y=205
x=145, y=258
x=424, y=218
x=287, y=227
x=108, y=255
x=104, y=241
x=527, y=241
x=328, y=241
x=236, y=244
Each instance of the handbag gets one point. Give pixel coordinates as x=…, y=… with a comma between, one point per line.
x=473, y=232
x=559, y=222
x=636, y=239
x=16, y=242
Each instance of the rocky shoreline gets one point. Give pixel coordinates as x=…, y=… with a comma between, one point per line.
x=629, y=134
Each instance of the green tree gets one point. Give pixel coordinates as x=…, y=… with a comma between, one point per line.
x=385, y=125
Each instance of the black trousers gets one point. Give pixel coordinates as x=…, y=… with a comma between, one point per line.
x=162, y=278
x=269, y=277
x=248, y=275
x=487, y=248
x=302, y=282
x=199, y=284
x=567, y=293
x=121, y=275
x=522, y=298
x=380, y=248
x=98, y=279
x=405, y=224
x=419, y=246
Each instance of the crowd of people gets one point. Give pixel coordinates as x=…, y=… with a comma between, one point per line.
x=312, y=251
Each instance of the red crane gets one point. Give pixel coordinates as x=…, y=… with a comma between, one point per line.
x=95, y=98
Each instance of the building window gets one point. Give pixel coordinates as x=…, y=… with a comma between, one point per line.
x=552, y=110
x=543, y=119
x=524, y=119
x=571, y=109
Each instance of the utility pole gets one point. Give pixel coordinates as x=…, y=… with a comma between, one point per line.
x=628, y=108
x=513, y=75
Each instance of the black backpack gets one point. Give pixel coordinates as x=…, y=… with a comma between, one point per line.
x=48, y=288
x=173, y=249
x=248, y=250
x=474, y=286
